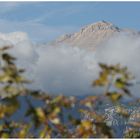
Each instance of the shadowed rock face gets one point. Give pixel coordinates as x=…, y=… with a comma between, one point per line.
x=125, y=124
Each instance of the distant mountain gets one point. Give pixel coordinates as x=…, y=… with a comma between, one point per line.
x=90, y=36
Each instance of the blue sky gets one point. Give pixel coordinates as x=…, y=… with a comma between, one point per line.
x=44, y=21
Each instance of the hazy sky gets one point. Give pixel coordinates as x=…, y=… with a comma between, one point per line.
x=44, y=21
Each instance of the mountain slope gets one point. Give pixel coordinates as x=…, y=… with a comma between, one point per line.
x=91, y=36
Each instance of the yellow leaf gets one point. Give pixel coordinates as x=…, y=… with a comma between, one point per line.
x=55, y=121
x=87, y=124
x=114, y=96
x=57, y=110
x=40, y=113
x=5, y=135
x=24, y=131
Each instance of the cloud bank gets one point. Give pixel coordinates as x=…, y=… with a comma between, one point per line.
x=70, y=70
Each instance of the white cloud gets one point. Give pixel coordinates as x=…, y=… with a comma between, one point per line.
x=56, y=70
x=124, y=49
x=65, y=70
x=70, y=70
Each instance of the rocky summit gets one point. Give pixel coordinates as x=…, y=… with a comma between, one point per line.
x=91, y=36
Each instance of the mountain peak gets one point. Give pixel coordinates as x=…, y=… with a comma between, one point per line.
x=101, y=25
x=90, y=36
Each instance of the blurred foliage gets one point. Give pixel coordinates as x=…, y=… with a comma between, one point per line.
x=117, y=77
x=57, y=116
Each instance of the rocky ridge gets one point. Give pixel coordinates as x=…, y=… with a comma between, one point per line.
x=89, y=36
